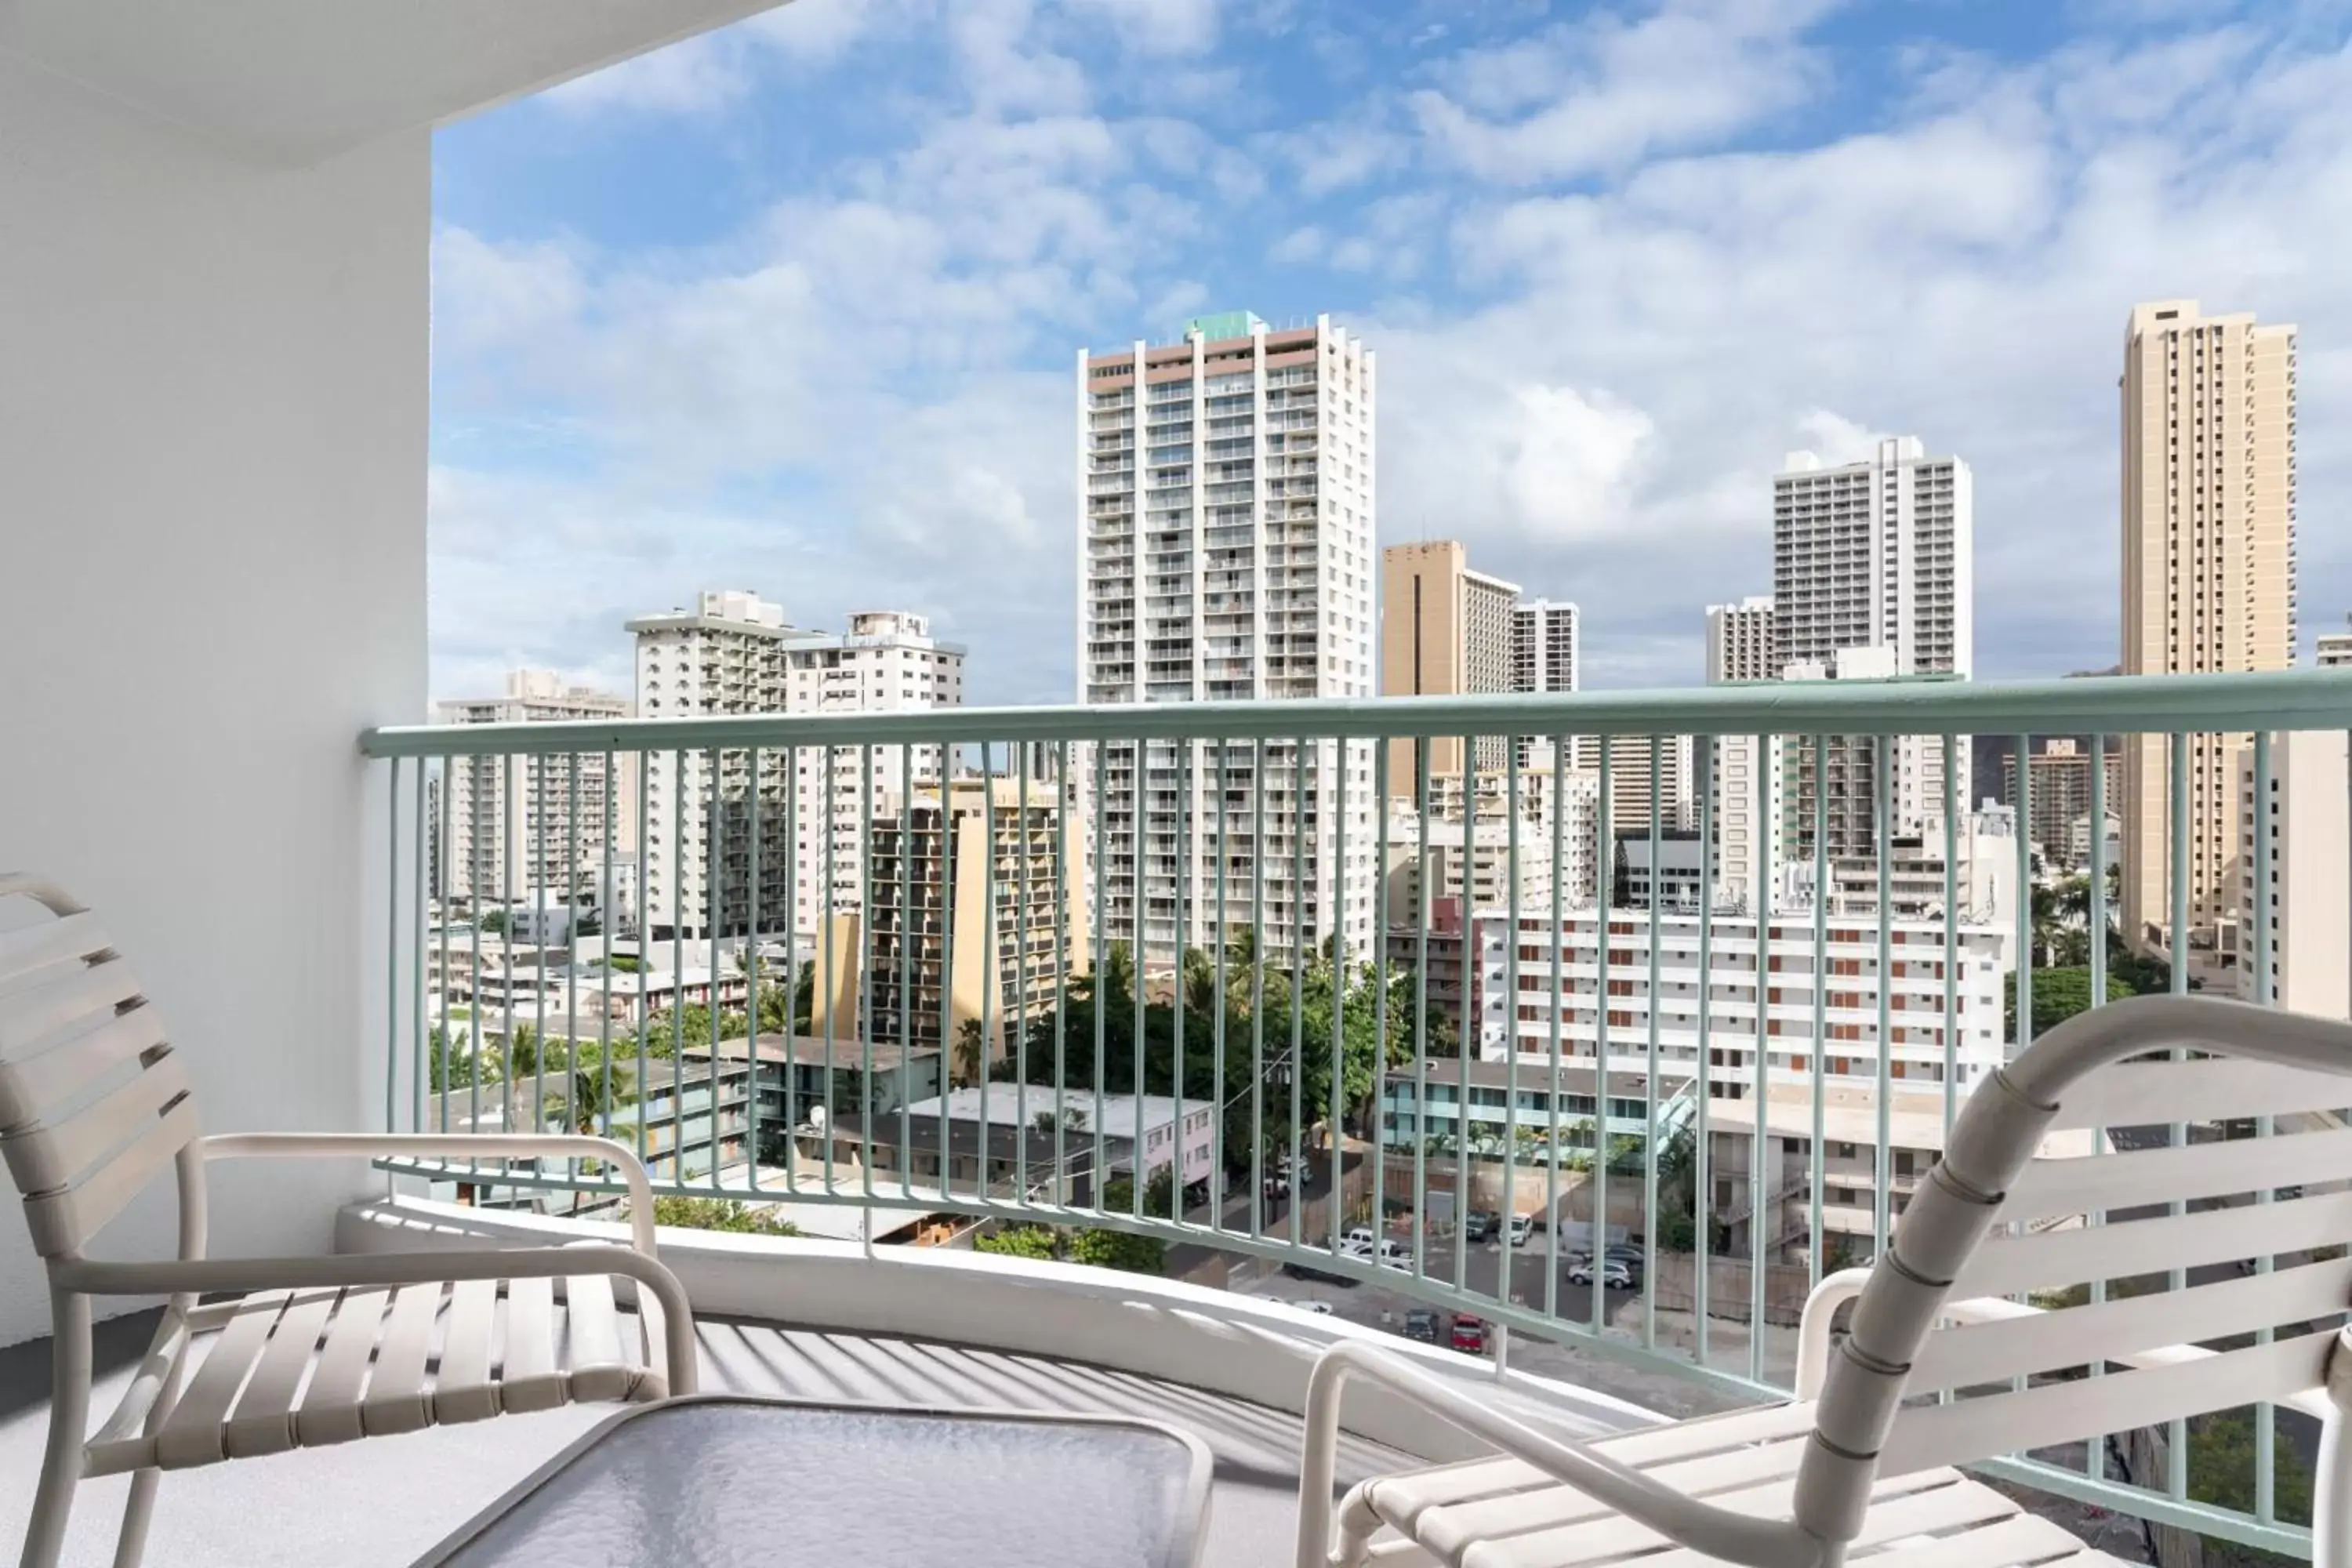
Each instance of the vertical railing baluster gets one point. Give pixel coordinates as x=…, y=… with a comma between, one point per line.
x=445, y=1053
x=1703, y=1161
x=1422, y=745
x=677, y=959
x=420, y=894
x=1184, y=882
x=714, y=898
x=1380, y=983
x=991, y=927
x=1062, y=795
x=1952, y=916
x=862, y=955
x=2095, y=1458
x=1101, y=890
x=1339, y=914
x=537, y=886
x=752, y=999
x=1821, y=979
x=790, y=772
x=474, y=933
x=1301, y=942
x=1598, y=1241
x=1759, y=1197
x=391, y=944
x=607, y=923
x=1604, y=891
x=1220, y=939
x=1556, y=927
x=1135, y=1172
x=910, y=924
x=1469, y=1025
x=1257, y=994
x=2177, y=1437
x=645, y=926
x=830, y=945
x=2265, y=1423
x=1019, y=1019
x=1883, y=840
x=507, y=845
x=571, y=1041
x=1508, y=1273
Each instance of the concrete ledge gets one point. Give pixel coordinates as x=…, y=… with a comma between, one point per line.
x=1235, y=1345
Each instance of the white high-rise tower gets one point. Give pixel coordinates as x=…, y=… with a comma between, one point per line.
x=1225, y=551
x=1879, y=554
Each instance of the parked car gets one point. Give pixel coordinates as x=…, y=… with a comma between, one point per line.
x=1396, y=1255
x=1359, y=1243
x=1421, y=1323
x=1482, y=1224
x=1614, y=1274
x=1523, y=1226
x=1322, y=1308
x=1469, y=1334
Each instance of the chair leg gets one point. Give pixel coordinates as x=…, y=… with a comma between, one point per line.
x=130, y=1546
x=61, y=1461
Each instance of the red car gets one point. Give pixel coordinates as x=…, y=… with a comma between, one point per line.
x=1470, y=1334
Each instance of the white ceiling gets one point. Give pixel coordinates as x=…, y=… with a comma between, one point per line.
x=296, y=80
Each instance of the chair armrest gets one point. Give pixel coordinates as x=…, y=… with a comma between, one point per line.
x=1701, y=1527
x=1813, y=1328
x=290, y=1145
x=193, y=1276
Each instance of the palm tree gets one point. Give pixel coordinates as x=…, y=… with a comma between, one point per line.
x=597, y=1090
x=970, y=1051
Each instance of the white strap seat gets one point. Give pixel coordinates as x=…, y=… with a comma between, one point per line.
x=291, y=1369
x=1506, y=1513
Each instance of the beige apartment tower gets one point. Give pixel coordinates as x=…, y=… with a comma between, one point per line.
x=2208, y=576
x=1446, y=631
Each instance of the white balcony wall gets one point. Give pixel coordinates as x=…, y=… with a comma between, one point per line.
x=212, y=578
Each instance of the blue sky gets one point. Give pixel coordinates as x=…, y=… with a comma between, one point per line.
x=794, y=306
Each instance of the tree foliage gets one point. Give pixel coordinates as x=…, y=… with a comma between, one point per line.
x=1022, y=1241
x=1101, y=1248
x=1260, y=1004
x=2058, y=995
x=719, y=1214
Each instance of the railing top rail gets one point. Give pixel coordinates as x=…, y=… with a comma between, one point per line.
x=2281, y=699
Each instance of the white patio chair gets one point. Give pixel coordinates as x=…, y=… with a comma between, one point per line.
x=1936, y=1370
x=94, y=1104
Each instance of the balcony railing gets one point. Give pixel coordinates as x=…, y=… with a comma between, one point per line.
x=1262, y=1070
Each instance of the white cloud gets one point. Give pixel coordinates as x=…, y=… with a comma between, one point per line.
x=1159, y=26
x=1598, y=94
x=868, y=388
x=702, y=75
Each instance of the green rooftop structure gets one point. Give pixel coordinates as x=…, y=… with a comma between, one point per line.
x=1225, y=324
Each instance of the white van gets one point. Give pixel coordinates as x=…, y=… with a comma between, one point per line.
x=1359, y=1243
x=1522, y=1226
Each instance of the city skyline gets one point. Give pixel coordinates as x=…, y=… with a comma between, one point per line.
x=656, y=355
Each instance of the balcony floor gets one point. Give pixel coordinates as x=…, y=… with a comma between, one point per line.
x=384, y=1502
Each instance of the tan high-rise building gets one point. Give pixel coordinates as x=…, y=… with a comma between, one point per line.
x=2208, y=574
x=1446, y=631
x=979, y=896
x=544, y=830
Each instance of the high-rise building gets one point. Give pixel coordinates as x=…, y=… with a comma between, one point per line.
x=2208, y=575
x=1544, y=645
x=549, y=832
x=1879, y=554
x=2335, y=647
x=1740, y=644
x=2058, y=794
x=973, y=915
x=888, y=660
x=1634, y=786
x=1225, y=551
x=1446, y=631
x=1746, y=775
x=734, y=653
x=2310, y=856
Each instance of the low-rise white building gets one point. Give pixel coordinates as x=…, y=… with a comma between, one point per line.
x=1845, y=972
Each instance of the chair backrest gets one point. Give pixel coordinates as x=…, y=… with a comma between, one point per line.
x=93, y=1102
x=2059, y=1324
